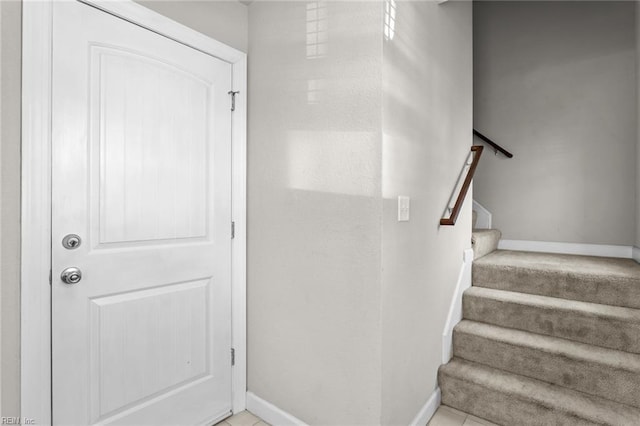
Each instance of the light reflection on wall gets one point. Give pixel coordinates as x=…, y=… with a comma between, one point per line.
x=334, y=162
x=315, y=88
x=317, y=35
x=389, y=19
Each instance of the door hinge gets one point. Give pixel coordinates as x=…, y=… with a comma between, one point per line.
x=233, y=357
x=50, y=276
x=233, y=230
x=233, y=99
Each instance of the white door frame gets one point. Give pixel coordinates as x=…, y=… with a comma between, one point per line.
x=35, y=355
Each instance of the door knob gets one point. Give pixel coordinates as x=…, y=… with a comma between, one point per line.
x=71, y=275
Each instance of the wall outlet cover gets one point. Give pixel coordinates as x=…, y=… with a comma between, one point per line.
x=404, y=208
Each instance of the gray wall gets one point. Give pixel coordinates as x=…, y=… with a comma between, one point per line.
x=226, y=21
x=315, y=209
x=637, y=15
x=10, y=104
x=554, y=82
x=427, y=117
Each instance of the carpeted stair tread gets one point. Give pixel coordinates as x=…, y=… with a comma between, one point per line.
x=509, y=399
x=484, y=241
x=610, y=281
x=607, y=373
x=601, y=325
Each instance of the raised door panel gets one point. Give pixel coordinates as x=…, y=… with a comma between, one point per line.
x=150, y=147
x=146, y=343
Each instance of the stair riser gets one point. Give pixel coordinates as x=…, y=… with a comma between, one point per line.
x=615, y=291
x=485, y=242
x=501, y=408
x=592, y=378
x=567, y=324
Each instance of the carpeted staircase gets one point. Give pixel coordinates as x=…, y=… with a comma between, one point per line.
x=548, y=339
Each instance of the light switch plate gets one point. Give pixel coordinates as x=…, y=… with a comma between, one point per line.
x=404, y=208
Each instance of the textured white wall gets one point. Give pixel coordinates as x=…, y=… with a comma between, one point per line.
x=315, y=209
x=427, y=122
x=555, y=83
x=346, y=305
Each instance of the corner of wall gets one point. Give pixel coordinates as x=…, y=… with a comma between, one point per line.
x=427, y=137
x=428, y=409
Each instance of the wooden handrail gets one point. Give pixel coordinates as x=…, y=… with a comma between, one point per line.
x=451, y=220
x=494, y=145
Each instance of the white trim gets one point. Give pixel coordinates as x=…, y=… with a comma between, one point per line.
x=601, y=250
x=428, y=409
x=636, y=254
x=36, y=193
x=239, y=243
x=455, y=308
x=35, y=293
x=276, y=416
x=153, y=21
x=484, y=216
x=270, y=413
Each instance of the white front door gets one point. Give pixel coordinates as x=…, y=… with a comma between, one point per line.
x=141, y=132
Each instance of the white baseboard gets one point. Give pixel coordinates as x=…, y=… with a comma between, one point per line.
x=277, y=417
x=270, y=413
x=455, y=308
x=636, y=254
x=428, y=409
x=601, y=250
x=484, y=216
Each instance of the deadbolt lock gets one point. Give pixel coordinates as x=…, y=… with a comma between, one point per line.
x=71, y=275
x=71, y=241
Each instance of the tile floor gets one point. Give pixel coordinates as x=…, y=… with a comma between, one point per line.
x=447, y=416
x=243, y=418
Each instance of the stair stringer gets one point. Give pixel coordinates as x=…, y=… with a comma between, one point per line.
x=484, y=216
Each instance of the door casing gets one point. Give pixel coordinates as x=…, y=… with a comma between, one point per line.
x=35, y=355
